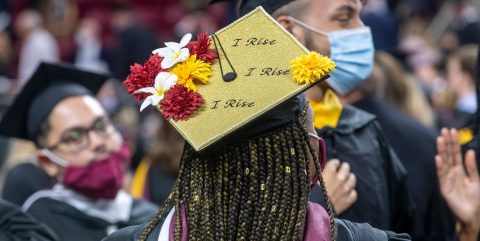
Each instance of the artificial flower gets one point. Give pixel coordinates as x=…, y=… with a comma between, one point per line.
x=180, y=103
x=311, y=67
x=192, y=71
x=174, y=53
x=202, y=49
x=143, y=76
x=163, y=82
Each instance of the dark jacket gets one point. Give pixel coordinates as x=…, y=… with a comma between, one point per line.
x=346, y=231
x=415, y=146
x=24, y=180
x=384, y=201
x=16, y=225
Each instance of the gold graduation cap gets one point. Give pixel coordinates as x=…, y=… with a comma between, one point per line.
x=251, y=75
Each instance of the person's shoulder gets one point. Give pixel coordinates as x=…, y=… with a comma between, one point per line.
x=125, y=234
x=349, y=231
x=23, y=180
x=142, y=211
x=353, y=118
x=132, y=233
x=40, y=200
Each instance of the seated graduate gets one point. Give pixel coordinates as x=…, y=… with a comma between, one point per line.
x=79, y=147
x=16, y=225
x=252, y=152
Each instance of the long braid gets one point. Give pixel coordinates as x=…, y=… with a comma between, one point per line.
x=295, y=177
x=194, y=198
x=235, y=196
x=277, y=168
x=208, y=201
x=267, y=194
x=254, y=187
x=260, y=185
x=245, y=202
x=226, y=180
x=287, y=190
x=304, y=179
x=219, y=190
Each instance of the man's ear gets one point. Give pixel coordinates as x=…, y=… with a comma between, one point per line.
x=291, y=27
x=47, y=165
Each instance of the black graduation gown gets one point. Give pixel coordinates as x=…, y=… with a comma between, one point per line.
x=24, y=180
x=346, y=231
x=384, y=201
x=16, y=225
x=415, y=146
x=72, y=225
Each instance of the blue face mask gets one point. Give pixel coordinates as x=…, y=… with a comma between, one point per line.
x=353, y=53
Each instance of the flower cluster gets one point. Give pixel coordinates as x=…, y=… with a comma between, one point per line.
x=168, y=79
x=311, y=67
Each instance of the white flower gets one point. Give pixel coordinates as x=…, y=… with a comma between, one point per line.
x=174, y=52
x=163, y=82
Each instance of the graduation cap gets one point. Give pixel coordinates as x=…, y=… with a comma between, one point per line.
x=248, y=5
x=50, y=84
x=250, y=85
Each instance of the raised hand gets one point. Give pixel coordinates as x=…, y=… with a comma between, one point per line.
x=460, y=188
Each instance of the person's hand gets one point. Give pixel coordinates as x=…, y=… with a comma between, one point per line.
x=460, y=189
x=340, y=184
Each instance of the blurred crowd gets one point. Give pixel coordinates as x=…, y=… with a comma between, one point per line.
x=425, y=66
x=106, y=36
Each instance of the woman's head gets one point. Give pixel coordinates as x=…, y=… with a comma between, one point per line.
x=254, y=189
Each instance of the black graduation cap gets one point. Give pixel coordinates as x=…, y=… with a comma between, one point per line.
x=248, y=5
x=50, y=84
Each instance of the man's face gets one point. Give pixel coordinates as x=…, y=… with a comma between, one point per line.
x=81, y=131
x=327, y=16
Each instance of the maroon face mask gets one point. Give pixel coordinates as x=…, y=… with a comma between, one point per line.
x=100, y=178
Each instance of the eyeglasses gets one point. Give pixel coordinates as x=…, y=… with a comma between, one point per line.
x=322, y=150
x=77, y=139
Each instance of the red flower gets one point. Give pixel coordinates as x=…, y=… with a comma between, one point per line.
x=180, y=103
x=143, y=76
x=202, y=49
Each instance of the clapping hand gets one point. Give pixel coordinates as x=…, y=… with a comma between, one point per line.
x=459, y=183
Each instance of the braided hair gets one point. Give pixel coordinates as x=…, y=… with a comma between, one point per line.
x=255, y=189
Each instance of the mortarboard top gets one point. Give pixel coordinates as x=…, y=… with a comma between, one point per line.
x=252, y=88
x=49, y=84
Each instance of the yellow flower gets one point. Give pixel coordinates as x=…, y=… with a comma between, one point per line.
x=192, y=72
x=311, y=67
